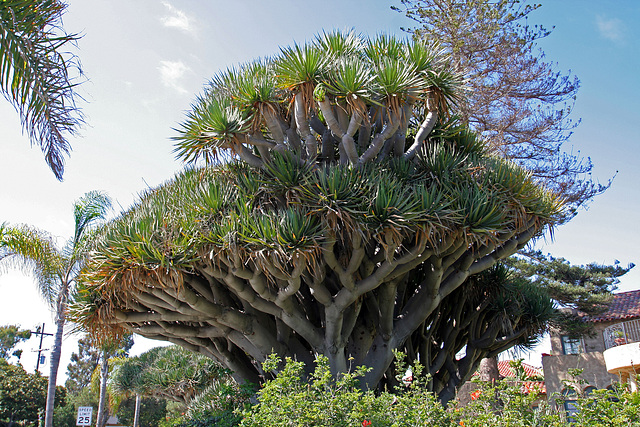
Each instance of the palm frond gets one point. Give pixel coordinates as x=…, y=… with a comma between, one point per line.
x=285, y=174
x=298, y=230
x=300, y=65
x=34, y=252
x=213, y=124
x=35, y=75
x=482, y=209
x=392, y=206
x=384, y=47
x=350, y=81
x=444, y=89
x=92, y=207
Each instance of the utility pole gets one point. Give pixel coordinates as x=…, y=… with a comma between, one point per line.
x=40, y=350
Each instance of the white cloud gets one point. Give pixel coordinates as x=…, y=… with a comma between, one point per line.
x=171, y=73
x=610, y=28
x=176, y=18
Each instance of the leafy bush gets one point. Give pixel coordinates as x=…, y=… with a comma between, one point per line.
x=300, y=399
x=292, y=400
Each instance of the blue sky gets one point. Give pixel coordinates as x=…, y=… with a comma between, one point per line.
x=145, y=61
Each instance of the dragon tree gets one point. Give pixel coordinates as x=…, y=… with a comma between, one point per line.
x=332, y=204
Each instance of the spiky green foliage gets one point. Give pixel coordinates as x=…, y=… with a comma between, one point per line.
x=36, y=74
x=341, y=87
x=302, y=258
x=171, y=373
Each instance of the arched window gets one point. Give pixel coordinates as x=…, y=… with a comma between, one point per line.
x=570, y=400
x=614, y=392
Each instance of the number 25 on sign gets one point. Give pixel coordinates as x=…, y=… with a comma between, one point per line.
x=84, y=416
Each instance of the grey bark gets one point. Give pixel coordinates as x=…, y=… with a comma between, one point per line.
x=136, y=413
x=489, y=370
x=54, y=360
x=102, y=414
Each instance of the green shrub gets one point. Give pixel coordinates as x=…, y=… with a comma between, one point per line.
x=297, y=399
x=293, y=400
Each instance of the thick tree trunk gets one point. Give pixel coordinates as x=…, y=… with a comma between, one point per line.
x=489, y=370
x=104, y=376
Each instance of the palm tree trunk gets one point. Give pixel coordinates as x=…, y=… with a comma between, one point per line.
x=104, y=375
x=54, y=362
x=136, y=414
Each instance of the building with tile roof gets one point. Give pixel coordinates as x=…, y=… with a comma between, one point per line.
x=610, y=355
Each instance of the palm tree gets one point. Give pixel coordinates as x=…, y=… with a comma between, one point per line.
x=34, y=74
x=55, y=269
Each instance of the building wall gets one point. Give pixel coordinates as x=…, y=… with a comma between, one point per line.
x=557, y=365
x=556, y=370
x=594, y=342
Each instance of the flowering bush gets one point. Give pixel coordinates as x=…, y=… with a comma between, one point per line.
x=301, y=399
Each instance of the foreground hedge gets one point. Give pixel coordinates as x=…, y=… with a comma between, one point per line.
x=297, y=398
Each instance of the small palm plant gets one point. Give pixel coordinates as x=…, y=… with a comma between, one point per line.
x=194, y=381
x=54, y=269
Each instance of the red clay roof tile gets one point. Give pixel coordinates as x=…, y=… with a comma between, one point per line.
x=625, y=305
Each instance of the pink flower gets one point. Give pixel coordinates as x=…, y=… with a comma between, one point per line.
x=476, y=394
x=366, y=423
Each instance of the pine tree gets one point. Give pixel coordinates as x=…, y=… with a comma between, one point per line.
x=516, y=98
x=82, y=365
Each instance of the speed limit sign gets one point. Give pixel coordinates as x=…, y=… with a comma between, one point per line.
x=84, y=416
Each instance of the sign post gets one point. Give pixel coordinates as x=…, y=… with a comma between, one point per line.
x=84, y=416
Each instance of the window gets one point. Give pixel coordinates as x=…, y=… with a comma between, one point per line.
x=570, y=345
x=570, y=400
x=614, y=392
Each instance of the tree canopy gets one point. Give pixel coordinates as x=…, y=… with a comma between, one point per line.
x=517, y=98
x=357, y=215
x=10, y=336
x=81, y=367
x=171, y=373
x=22, y=395
x=578, y=291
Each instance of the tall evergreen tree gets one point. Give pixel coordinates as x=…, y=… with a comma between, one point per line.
x=577, y=290
x=516, y=98
x=81, y=367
